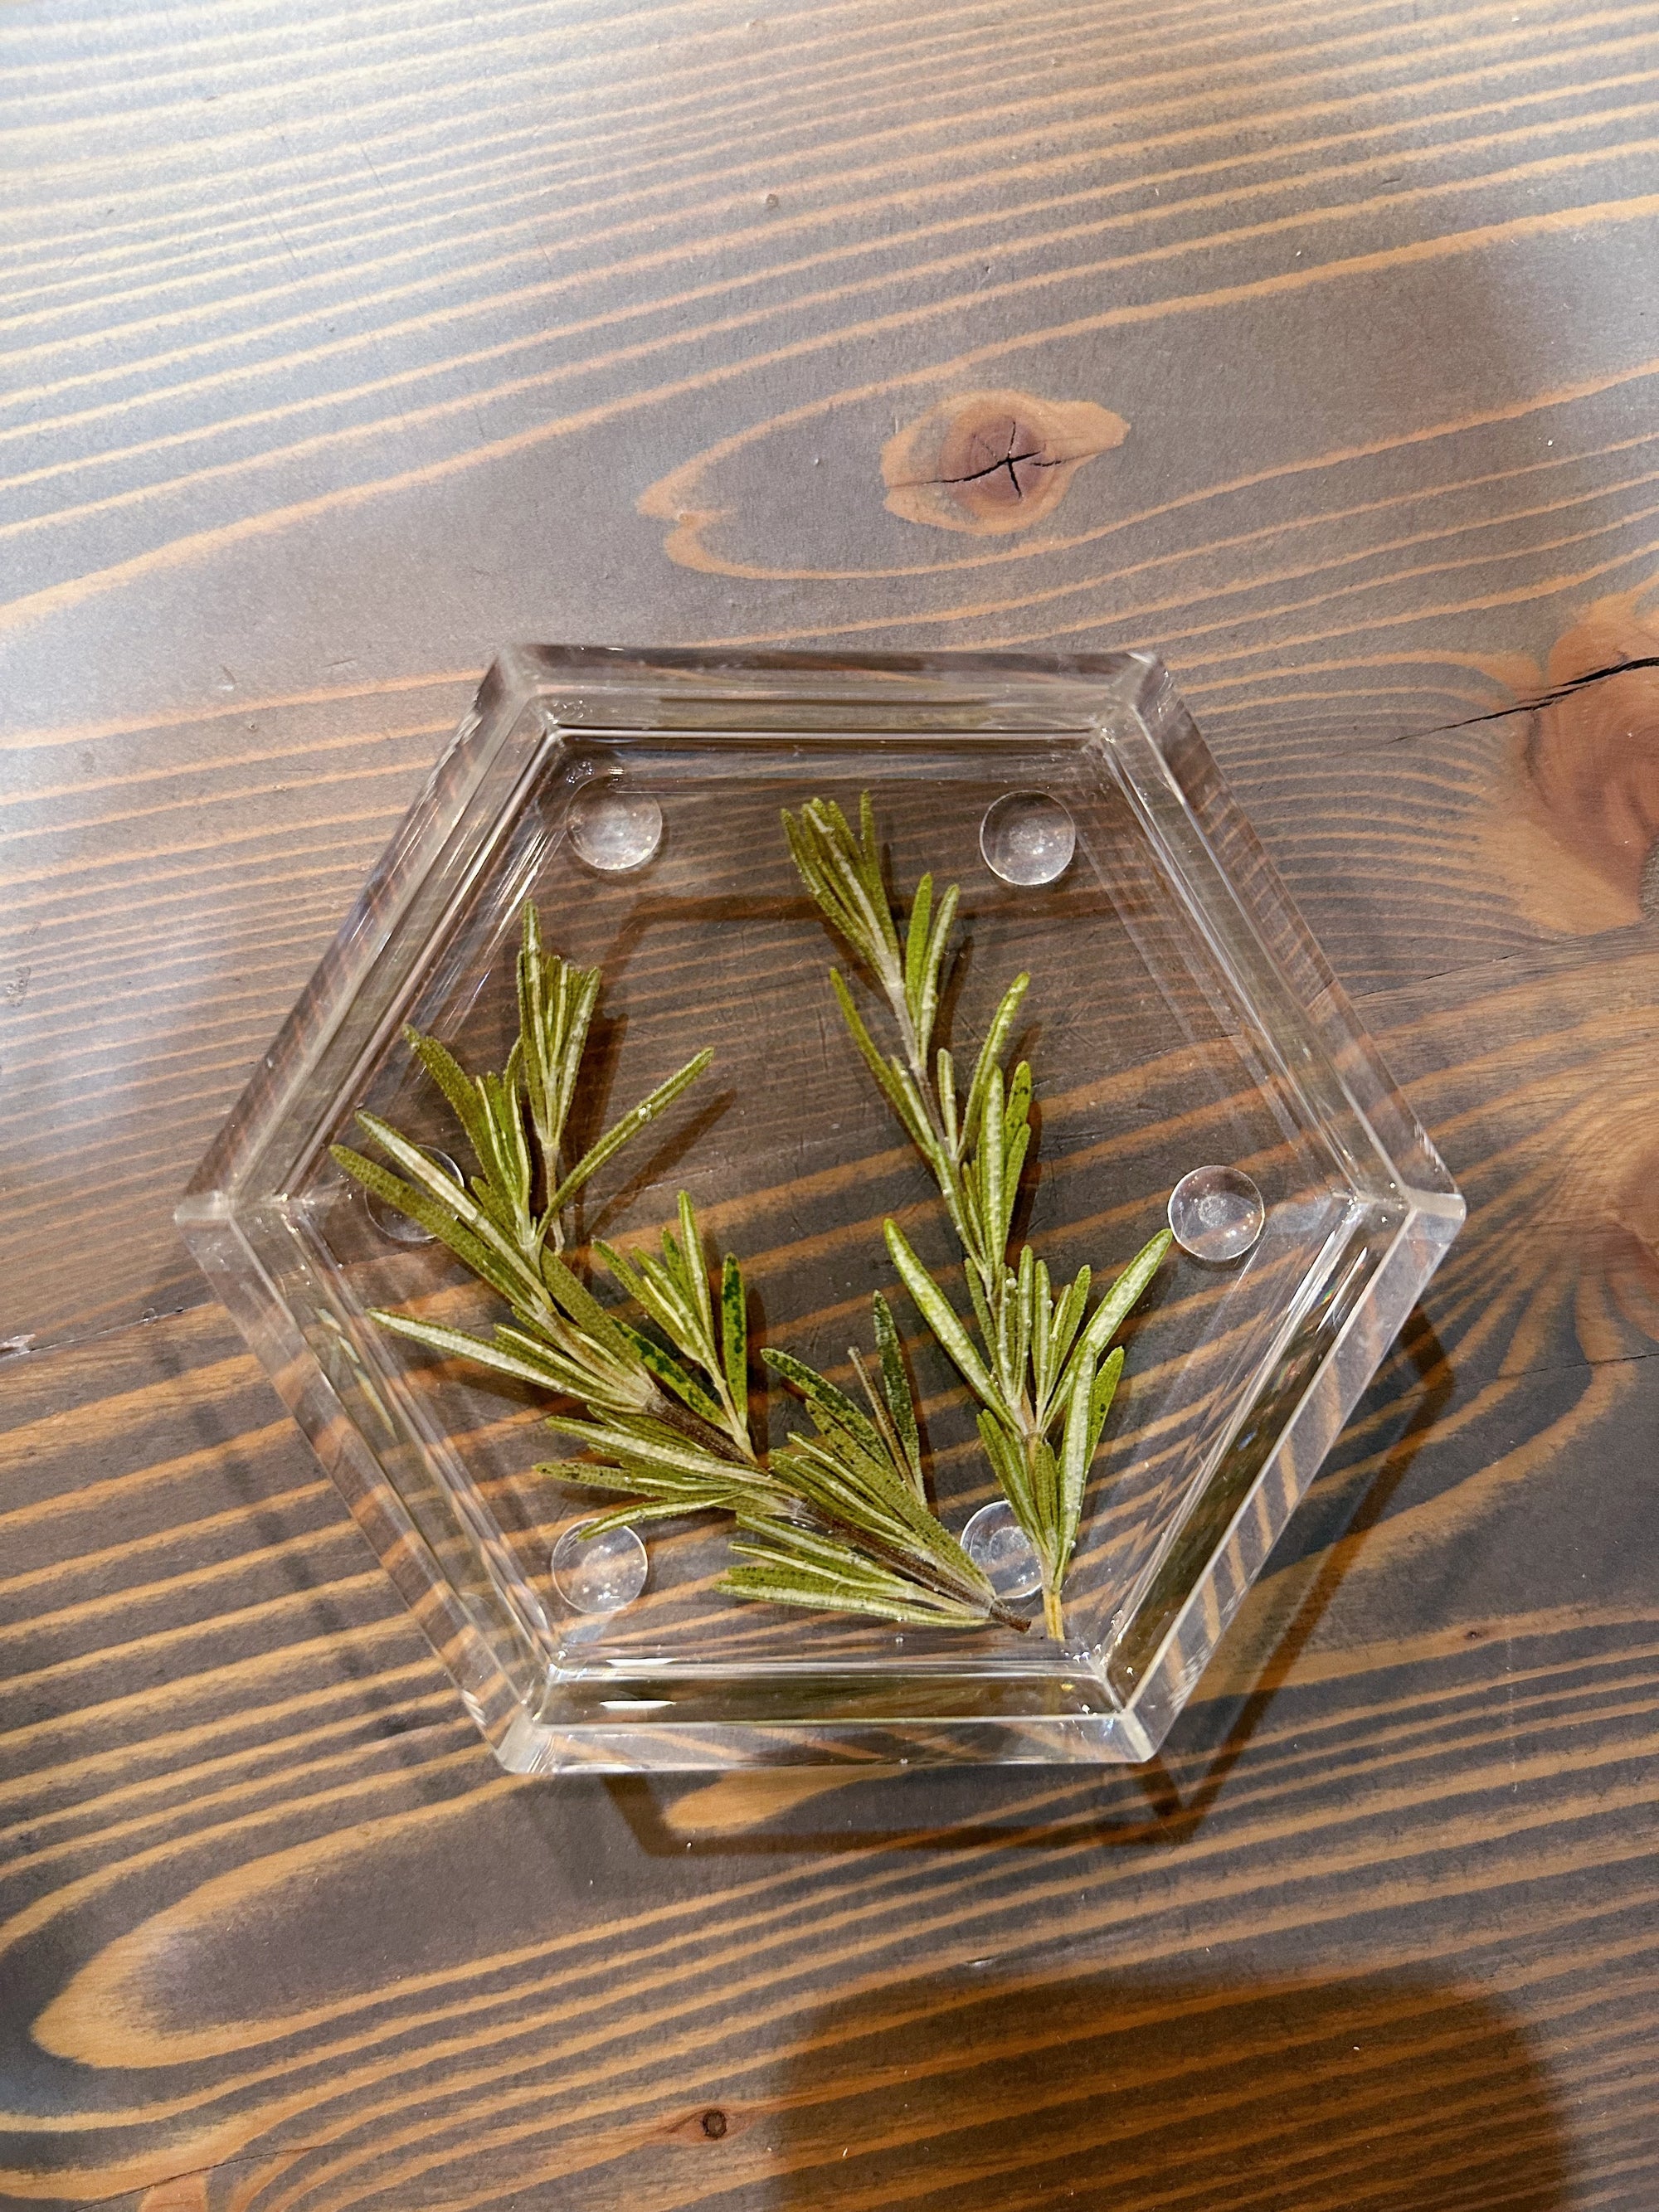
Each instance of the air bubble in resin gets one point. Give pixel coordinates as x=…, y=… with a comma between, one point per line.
x=1215, y=1214
x=400, y=1227
x=1027, y=838
x=598, y=1574
x=614, y=828
x=1002, y=1551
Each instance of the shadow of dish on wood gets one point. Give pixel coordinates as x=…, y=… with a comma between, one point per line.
x=1011, y=2092
x=994, y=462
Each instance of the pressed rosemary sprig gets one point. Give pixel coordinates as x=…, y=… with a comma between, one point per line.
x=1041, y=1372
x=860, y=1472
x=508, y=1219
x=839, y=1521
x=836, y=1522
x=505, y=1224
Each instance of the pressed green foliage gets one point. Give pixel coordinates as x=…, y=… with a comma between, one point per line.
x=1037, y=1367
x=838, y=1520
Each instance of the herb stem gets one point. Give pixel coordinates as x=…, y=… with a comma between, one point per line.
x=1041, y=1380
x=839, y=1521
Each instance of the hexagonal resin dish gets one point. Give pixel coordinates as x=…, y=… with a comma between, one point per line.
x=1179, y=1017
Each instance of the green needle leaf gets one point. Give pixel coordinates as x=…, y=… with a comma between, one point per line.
x=734, y=1331
x=988, y=1164
x=875, y=890
x=696, y=1270
x=931, y=1304
x=896, y=1084
x=575, y=1299
x=637, y=1118
x=1101, y=1397
x=669, y=1371
x=456, y=1085
x=924, y=1010
x=437, y=1217
x=1115, y=1307
x=916, y=944
x=649, y=1445
x=990, y=1054
x=945, y=1087
x=896, y=1386
x=821, y=1394
x=1074, y=1456
x=459, y=1344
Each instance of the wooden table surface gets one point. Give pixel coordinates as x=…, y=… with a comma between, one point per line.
x=1315, y=344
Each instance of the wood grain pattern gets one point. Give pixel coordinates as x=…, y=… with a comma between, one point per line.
x=341, y=347
x=1366, y=310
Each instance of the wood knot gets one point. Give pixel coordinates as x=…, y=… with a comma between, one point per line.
x=994, y=462
x=708, y=2124
x=1580, y=853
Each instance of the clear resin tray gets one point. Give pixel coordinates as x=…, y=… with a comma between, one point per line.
x=1180, y=1019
